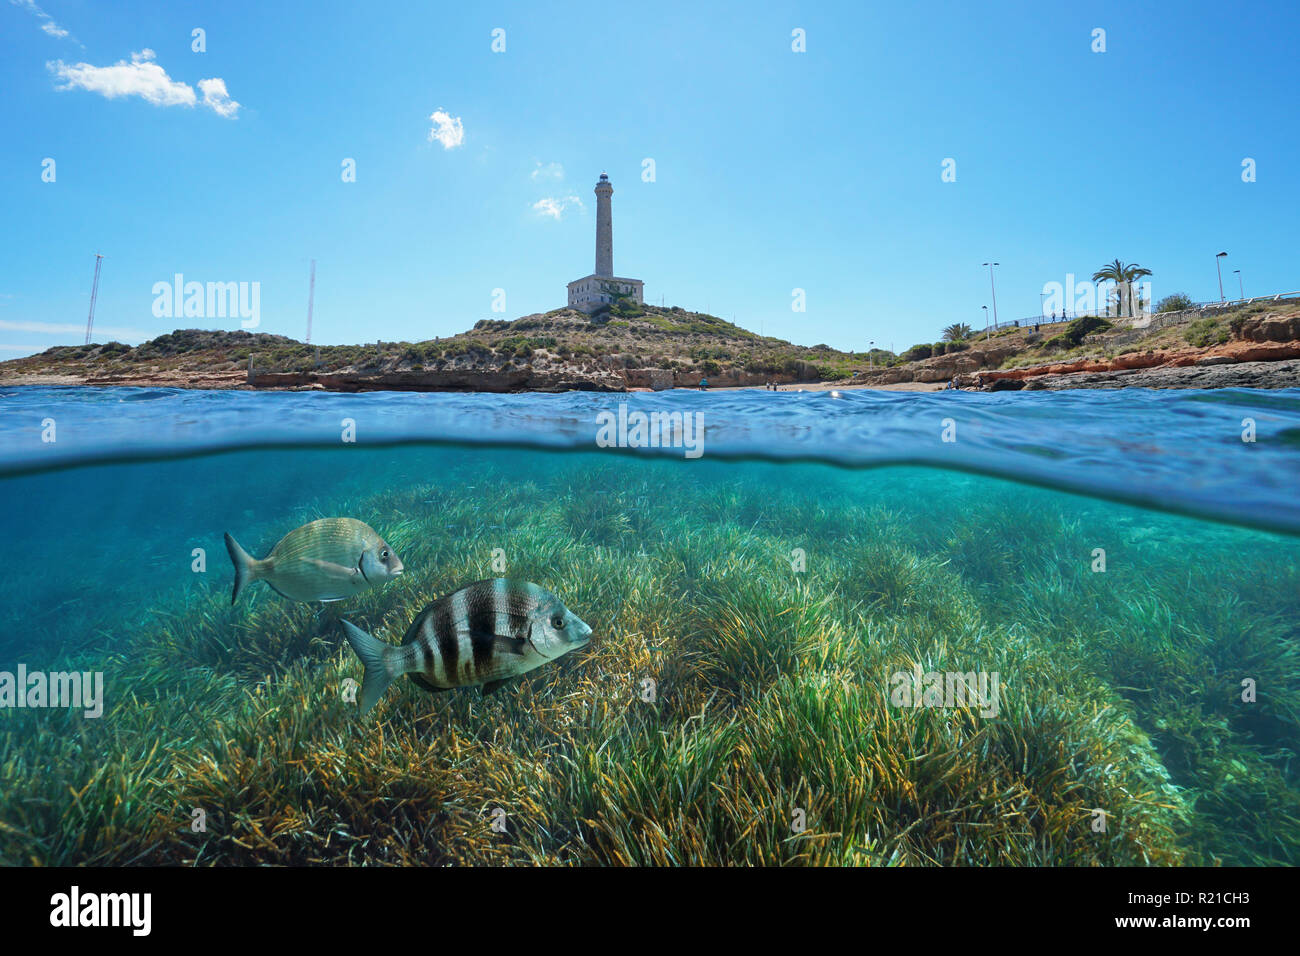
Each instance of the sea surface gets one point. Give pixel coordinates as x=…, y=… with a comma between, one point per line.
x=1118, y=570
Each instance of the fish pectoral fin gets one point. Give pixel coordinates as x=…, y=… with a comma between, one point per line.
x=502, y=645
x=332, y=569
x=491, y=686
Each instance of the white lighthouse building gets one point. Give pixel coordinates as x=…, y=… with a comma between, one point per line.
x=602, y=287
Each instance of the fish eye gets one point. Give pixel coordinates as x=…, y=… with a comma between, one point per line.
x=384, y=554
x=557, y=622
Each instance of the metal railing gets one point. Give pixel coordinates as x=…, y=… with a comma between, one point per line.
x=1198, y=307
x=1031, y=321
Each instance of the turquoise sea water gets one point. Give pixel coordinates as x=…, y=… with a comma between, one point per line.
x=1121, y=553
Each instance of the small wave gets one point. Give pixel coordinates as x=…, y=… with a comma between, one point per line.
x=1186, y=451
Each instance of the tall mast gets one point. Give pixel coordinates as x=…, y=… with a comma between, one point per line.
x=94, y=293
x=311, y=295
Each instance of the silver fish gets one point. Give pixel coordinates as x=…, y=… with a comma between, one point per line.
x=485, y=633
x=327, y=560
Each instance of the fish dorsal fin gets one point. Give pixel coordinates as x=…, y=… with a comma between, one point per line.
x=416, y=629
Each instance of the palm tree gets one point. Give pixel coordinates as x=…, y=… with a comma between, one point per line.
x=1122, y=275
x=956, y=332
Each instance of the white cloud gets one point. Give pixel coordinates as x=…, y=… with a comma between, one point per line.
x=554, y=206
x=144, y=78
x=141, y=77
x=47, y=21
x=70, y=328
x=547, y=171
x=446, y=129
x=216, y=98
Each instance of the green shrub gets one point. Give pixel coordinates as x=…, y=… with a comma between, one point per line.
x=1074, y=333
x=627, y=307
x=1207, y=331
x=1175, y=303
x=830, y=373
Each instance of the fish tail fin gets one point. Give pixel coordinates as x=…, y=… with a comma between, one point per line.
x=378, y=659
x=245, y=566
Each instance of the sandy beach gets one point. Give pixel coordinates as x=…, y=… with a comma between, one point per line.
x=837, y=387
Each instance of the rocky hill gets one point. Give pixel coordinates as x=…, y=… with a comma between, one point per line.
x=1250, y=347
x=635, y=347
x=627, y=346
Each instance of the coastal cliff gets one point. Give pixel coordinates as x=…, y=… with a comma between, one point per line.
x=1252, y=347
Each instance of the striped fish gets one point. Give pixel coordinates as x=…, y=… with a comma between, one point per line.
x=485, y=633
x=326, y=560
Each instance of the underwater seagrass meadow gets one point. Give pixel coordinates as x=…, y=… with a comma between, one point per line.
x=769, y=603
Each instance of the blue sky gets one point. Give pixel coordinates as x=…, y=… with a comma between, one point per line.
x=774, y=170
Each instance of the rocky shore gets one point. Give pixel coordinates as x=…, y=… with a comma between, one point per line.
x=1284, y=374
x=564, y=351
x=1265, y=354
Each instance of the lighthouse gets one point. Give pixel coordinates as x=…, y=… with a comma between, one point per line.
x=600, y=289
x=604, y=227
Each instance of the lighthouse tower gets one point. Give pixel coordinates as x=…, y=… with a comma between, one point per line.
x=604, y=228
x=598, y=290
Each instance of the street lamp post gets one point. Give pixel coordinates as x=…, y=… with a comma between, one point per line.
x=871, y=354
x=1220, y=271
x=1240, y=286
x=993, y=290
x=986, y=318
